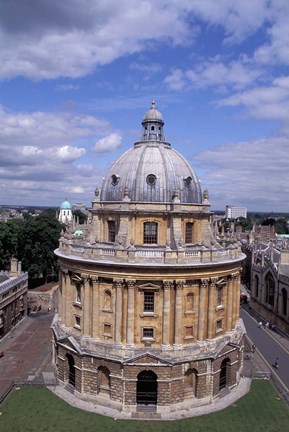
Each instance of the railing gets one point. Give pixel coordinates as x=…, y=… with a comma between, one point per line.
x=148, y=254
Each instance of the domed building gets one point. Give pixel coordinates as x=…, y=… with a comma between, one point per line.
x=149, y=293
x=65, y=212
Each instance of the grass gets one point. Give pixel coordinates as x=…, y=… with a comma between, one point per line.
x=32, y=409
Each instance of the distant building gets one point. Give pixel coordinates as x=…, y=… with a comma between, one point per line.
x=234, y=212
x=65, y=212
x=267, y=276
x=13, y=297
x=79, y=206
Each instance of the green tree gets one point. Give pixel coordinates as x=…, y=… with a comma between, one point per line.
x=38, y=240
x=281, y=226
x=9, y=241
x=246, y=223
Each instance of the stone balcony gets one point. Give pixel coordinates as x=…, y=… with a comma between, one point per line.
x=150, y=254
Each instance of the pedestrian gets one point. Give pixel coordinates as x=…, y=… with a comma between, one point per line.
x=253, y=348
x=260, y=324
x=267, y=325
x=276, y=364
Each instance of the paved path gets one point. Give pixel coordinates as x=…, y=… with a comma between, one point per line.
x=27, y=351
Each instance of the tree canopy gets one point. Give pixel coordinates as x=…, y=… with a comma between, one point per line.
x=32, y=241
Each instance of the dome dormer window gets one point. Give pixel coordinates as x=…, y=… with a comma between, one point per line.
x=151, y=179
x=114, y=179
x=188, y=181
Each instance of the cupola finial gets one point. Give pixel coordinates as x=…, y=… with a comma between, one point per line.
x=153, y=103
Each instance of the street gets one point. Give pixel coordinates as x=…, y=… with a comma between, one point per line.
x=270, y=345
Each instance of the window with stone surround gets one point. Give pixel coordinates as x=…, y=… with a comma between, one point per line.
x=269, y=289
x=107, y=301
x=219, y=325
x=189, y=332
x=149, y=301
x=78, y=293
x=147, y=333
x=219, y=295
x=77, y=322
x=107, y=329
x=190, y=302
x=103, y=380
x=189, y=232
x=190, y=382
x=111, y=230
x=150, y=234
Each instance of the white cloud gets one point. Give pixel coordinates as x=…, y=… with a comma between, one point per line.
x=252, y=173
x=107, y=144
x=49, y=39
x=234, y=75
x=271, y=102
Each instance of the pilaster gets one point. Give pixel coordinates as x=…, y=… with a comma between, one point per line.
x=118, y=284
x=178, y=331
x=130, y=313
x=202, y=308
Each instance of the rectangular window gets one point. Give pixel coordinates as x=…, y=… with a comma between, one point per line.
x=189, y=232
x=149, y=301
x=220, y=296
x=77, y=321
x=189, y=332
x=78, y=293
x=219, y=324
x=107, y=329
x=148, y=333
x=111, y=231
x=150, y=235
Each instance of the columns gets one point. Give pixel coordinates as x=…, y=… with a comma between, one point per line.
x=230, y=297
x=86, y=306
x=130, y=313
x=166, y=313
x=95, y=307
x=178, y=314
x=236, y=299
x=202, y=308
x=118, y=312
x=211, y=309
x=237, y=282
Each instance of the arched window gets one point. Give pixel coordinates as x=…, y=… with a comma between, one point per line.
x=103, y=380
x=111, y=230
x=107, y=300
x=190, y=382
x=71, y=369
x=190, y=302
x=269, y=289
x=224, y=373
x=150, y=234
x=284, y=301
x=189, y=232
x=147, y=388
x=256, y=286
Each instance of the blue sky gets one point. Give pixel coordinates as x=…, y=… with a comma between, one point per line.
x=76, y=77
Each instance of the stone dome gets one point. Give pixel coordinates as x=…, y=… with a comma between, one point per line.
x=65, y=205
x=152, y=171
x=153, y=114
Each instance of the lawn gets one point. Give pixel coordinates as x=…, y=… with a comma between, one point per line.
x=32, y=409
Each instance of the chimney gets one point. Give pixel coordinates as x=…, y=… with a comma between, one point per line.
x=14, y=267
x=19, y=268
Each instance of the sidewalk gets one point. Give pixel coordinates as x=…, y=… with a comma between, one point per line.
x=27, y=352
